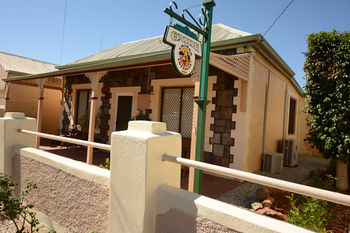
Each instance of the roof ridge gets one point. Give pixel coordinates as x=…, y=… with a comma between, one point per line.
x=28, y=58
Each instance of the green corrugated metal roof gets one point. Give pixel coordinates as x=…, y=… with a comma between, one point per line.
x=154, y=50
x=220, y=32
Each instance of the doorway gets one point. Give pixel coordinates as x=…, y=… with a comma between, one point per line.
x=124, y=109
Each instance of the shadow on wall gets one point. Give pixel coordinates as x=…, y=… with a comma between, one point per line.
x=1, y=112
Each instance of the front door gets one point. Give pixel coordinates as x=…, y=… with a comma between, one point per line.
x=123, y=112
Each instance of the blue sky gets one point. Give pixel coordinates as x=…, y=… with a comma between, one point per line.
x=34, y=28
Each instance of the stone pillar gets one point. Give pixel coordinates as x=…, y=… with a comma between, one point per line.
x=105, y=108
x=67, y=105
x=137, y=170
x=223, y=124
x=10, y=137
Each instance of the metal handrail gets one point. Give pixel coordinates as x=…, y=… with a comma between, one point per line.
x=69, y=140
x=263, y=180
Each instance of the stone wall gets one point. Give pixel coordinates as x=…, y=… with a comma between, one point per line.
x=73, y=203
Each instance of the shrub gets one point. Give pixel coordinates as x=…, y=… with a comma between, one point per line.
x=15, y=209
x=312, y=213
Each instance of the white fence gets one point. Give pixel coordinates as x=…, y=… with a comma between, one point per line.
x=144, y=190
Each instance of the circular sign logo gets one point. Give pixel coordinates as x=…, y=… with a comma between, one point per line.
x=184, y=59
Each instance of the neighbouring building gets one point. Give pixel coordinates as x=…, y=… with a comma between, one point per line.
x=255, y=101
x=22, y=96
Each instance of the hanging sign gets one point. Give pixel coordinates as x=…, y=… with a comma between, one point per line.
x=185, y=48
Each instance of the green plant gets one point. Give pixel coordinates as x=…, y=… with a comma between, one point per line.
x=107, y=164
x=327, y=69
x=312, y=213
x=13, y=207
x=326, y=182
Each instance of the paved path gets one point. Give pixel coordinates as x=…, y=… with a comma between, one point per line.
x=245, y=194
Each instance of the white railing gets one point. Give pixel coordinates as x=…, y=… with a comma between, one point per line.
x=263, y=180
x=69, y=140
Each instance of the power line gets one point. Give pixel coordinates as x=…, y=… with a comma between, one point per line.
x=284, y=10
x=64, y=25
x=193, y=6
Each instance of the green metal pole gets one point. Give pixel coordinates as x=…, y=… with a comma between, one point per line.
x=202, y=98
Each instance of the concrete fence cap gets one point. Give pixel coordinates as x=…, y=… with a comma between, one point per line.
x=147, y=126
x=15, y=115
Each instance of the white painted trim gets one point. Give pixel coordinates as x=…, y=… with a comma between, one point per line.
x=121, y=91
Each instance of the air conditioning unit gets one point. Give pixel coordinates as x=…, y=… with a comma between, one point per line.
x=290, y=152
x=273, y=162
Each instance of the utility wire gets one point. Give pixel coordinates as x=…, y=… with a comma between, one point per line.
x=64, y=25
x=193, y=6
x=279, y=16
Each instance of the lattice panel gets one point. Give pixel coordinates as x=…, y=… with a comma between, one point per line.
x=171, y=108
x=187, y=112
x=236, y=65
x=52, y=82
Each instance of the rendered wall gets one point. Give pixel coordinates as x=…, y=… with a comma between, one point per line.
x=69, y=194
x=304, y=147
x=277, y=114
x=23, y=98
x=238, y=150
x=255, y=118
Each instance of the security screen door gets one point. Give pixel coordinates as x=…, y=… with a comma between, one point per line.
x=177, y=109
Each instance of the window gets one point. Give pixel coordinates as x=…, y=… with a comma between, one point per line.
x=83, y=106
x=292, y=114
x=177, y=109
